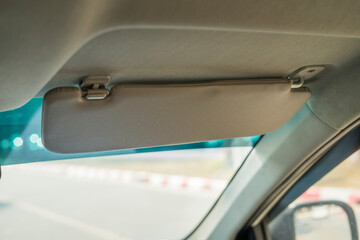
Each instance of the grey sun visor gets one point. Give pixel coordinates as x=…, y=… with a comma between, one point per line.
x=91, y=119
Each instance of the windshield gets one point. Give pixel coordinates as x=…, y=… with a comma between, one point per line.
x=149, y=193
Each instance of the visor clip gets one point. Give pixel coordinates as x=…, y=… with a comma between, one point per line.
x=94, y=87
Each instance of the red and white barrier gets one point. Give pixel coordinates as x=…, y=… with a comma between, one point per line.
x=348, y=195
x=125, y=176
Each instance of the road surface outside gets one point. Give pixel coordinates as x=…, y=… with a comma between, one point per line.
x=157, y=196
x=39, y=205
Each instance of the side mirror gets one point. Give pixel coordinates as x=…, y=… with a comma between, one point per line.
x=315, y=220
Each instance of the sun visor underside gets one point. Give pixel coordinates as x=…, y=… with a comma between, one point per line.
x=144, y=115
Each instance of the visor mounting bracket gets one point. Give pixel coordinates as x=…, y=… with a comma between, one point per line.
x=304, y=73
x=93, y=87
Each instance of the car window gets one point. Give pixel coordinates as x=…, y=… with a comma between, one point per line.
x=341, y=184
x=152, y=193
x=330, y=209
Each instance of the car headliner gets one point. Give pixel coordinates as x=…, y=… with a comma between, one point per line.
x=187, y=40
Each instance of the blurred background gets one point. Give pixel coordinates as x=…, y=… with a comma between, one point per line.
x=159, y=195
x=329, y=222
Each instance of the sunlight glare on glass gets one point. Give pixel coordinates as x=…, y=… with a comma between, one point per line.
x=39, y=143
x=18, y=142
x=5, y=144
x=34, y=138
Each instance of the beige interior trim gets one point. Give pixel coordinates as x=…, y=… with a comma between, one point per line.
x=144, y=115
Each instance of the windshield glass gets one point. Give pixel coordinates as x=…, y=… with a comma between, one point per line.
x=149, y=193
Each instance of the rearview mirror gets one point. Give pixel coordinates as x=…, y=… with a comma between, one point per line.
x=315, y=220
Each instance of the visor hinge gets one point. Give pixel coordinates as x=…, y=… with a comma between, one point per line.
x=304, y=73
x=94, y=87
